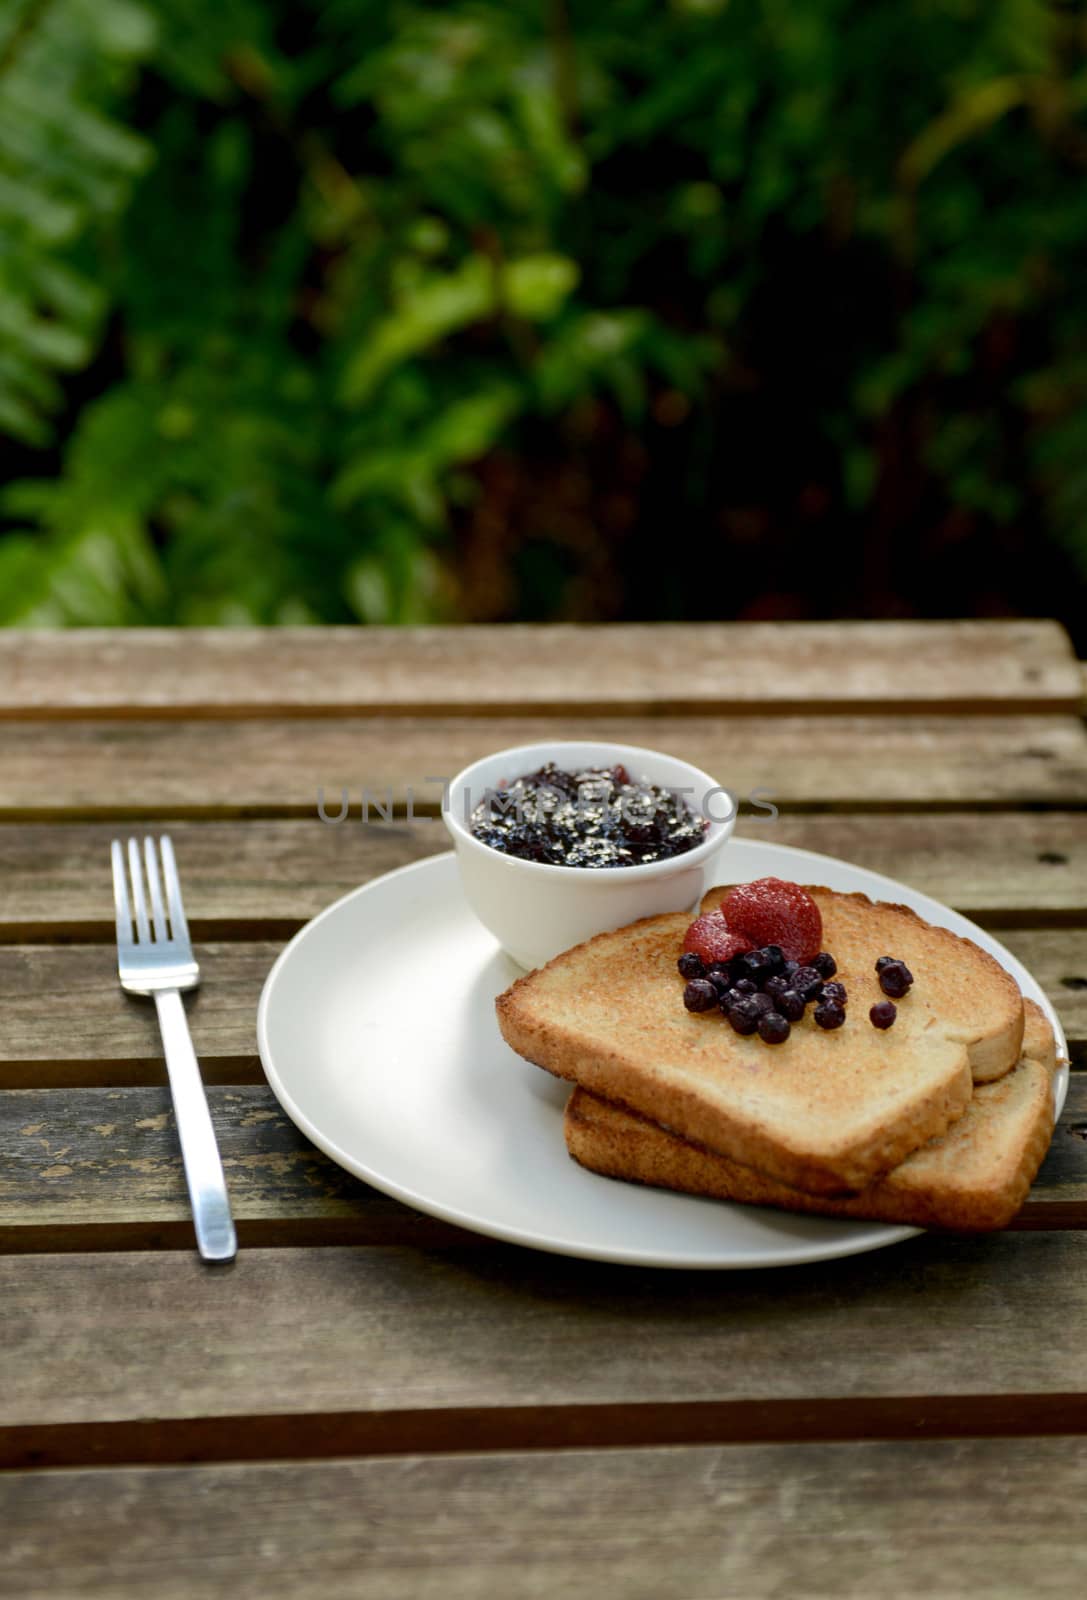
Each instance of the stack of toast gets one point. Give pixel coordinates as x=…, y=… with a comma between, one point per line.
x=940, y=1121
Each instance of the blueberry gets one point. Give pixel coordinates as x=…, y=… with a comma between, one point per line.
x=762, y=1002
x=835, y=991
x=774, y=956
x=732, y=997
x=744, y=1018
x=773, y=1028
x=791, y=1005
x=882, y=1014
x=700, y=995
x=747, y=986
x=892, y=961
x=829, y=1014
x=806, y=981
x=690, y=965
x=776, y=985
x=824, y=964
x=895, y=979
x=756, y=964
x=790, y=968
x=718, y=976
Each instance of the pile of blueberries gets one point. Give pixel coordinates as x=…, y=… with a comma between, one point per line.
x=762, y=992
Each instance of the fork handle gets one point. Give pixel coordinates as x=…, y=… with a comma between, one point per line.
x=215, y=1237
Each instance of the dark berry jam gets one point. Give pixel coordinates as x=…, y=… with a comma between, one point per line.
x=598, y=817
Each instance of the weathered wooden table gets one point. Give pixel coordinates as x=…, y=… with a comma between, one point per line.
x=371, y=1403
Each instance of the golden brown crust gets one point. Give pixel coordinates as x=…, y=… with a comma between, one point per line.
x=1039, y=1042
x=825, y=1113
x=684, y=1109
x=973, y=1178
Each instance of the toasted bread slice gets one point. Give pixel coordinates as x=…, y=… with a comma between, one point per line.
x=975, y=1176
x=826, y=1111
x=946, y=968
x=1039, y=1043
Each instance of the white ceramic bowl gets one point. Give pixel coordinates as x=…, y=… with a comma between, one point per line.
x=535, y=910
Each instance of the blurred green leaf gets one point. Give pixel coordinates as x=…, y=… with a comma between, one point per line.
x=461, y=432
x=66, y=168
x=436, y=306
x=316, y=312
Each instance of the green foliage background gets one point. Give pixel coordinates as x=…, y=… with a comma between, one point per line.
x=395, y=312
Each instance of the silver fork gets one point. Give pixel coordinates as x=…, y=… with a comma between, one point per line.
x=159, y=962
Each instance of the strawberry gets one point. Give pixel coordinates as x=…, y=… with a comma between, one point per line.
x=772, y=911
x=711, y=938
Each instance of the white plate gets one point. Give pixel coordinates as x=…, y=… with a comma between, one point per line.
x=376, y=1028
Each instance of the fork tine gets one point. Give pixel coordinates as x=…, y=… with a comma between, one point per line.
x=158, y=916
x=120, y=894
x=179, y=928
x=143, y=930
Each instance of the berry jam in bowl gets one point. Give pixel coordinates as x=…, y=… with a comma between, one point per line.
x=556, y=842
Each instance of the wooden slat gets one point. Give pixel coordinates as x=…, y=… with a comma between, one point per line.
x=152, y=1357
x=262, y=878
x=100, y=1169
x=761, y=1521
x=575, y=670
x=1058, y=961
x=1059, y=1195
x=265, y=878
x=63, y=1019
x=274, y=767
